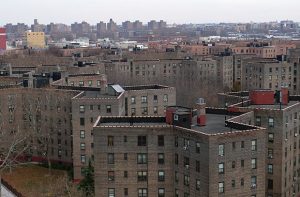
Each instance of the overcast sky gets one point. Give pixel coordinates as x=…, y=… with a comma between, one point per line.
x=172, y=11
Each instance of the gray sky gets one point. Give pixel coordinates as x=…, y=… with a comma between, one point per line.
x=172, y=11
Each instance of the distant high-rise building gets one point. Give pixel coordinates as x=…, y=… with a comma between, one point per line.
x=112, y=26
x=137, y=25
x=80, y=29
x=101, y=27
x=2, y=39
x=153, y=25
x=127, y=25
x=36, y=27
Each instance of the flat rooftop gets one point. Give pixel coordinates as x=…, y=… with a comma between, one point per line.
x=144, y=87
x=215, y=123
x=133, y=121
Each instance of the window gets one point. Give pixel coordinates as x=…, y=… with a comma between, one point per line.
x=111, y=192
x=133, y=111
x=233, y=164
x=108, y=108
x=141, y=158
x=161, y=158
x=165, y=98
x=271, y=122
x=82, y=146
x=144, y=99
x=176, y=193
x=186, y=180
x=186, y=142
x=82, y=158
x=242, y=181
x=254, y=145
x=160, y=140
x=111, y=175
x=258, y=121
x=133, y=100
x=271, y=137
x=125, y=191
x=144, y=110
x=186, y=162
x=186, y=194
x=110, y=158
x=221, y=149
x=125, y=156
x=142, y=140
x=125, y=174
x=221, y=168
x=197, y=184
x=155, y=110
x=142, y=175
x=176, y=176
x=270, y=153
x=91, y=107
x=82, y=122
x=221, y=187
x=155, y=98
x=242, y=144
x=253, y=182
x=233, y=145
x=232, y=183
x=99, y=107
x=161, y=192
x=82, y=134
x=270, y=168
x=81, y=108
x=197, y=147
x=110, y=140
x=161, y=175
x=124, y=138
x=176, y=158
x=90, y=83
x=81, y=83
x=197, y=166
x=270, y=184
x=176, y=141
x=98, y=83
x=253, y=163
x=242, y=163
x=142, y=192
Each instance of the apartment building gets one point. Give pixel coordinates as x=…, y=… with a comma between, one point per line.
x=175, y=156
x=269, y=74
x=43, y=114
x=35, y=40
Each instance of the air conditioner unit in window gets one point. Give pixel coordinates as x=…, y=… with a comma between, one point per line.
x=286, y=124
x=253, y=186
x=296, y=134
x=286, y=139
x=187, y=166
x=185, y=148
x=271, y=156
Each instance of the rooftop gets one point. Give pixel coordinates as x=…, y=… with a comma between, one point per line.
x=275, y=106
x=144, y=87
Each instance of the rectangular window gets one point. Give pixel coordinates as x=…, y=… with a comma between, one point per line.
x=155, y=98
x=253, y=163
x=232, y=183
x=161, y=140
x=155, y=110
x=111, y=192
x=197, y=184
x=90, y=83
x=108, y=108
x=198, y=147
x=142, y=175
x=133, y=100
x=125, y=156
x=81, y=108
x=142, y=140
x=221, y=149
x=271, y=122
x=161, y=192
x=144, y=99
x=142, y=192
x=270, y=168
x=242, y=144
x=186, y=180
x=125, y=191
x=271, y=137
x=186, y=162
x=141, y=158
x=111, y=175
x=125, y=173
x=176, y=141
x=270, y=153
x=176, y=176
x=133, y=112
x=221, y=168
x=176, y=193
x=82, y=134
x=161, y=158
x=176, y=158
x=82, y=158
x=81, y=83
x=110, y=140
x=110, y=158
x=270, y=184
x=91, y=107
x=82, y=146
x=161, y=175
x=165, y=98
x=197, y=166
x=82, y=122
x=221, y=187
x=144, y=111
x=254, y=145
x=242, y=163
x=253, y=182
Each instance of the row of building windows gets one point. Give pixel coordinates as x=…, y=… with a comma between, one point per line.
x=142, y=158
x=91, y=107
x=144, y=99
x=141, y=192
x=81, y=83
x=221, y=166
x=221, y=150
x=142, y=175
x=141, y=140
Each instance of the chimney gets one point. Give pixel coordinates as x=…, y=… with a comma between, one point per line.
x=103, y=84
x=201, y=112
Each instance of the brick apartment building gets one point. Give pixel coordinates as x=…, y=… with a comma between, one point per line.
x=250, y=149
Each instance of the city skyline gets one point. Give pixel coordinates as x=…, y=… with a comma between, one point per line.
x=171, y=11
